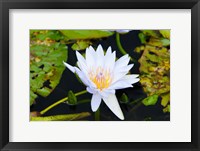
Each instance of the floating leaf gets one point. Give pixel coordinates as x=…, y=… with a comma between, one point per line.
x=151, y=33
x=159, y=42
x=165, y=33
x=165, y=99
x=142, y=37
x=43, y=35
x=66, y=117
x=155, y=64
x=85, y=34
x=81, y=45
x=72, y=100
x=46, y=66
x=167, y=109
x=151, y=100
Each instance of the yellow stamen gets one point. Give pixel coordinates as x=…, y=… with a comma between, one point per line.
x=101, y=77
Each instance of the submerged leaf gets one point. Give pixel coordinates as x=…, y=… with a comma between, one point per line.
x=65, y=117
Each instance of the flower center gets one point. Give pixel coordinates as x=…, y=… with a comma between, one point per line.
x=100, y=77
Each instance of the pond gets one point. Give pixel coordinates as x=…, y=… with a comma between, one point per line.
x=133, y=108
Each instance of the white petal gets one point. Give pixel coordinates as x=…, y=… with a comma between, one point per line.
x=131, y=78
x=113, y=105
x=71, y=68
x=99, y=51
x=121, y=62
x=109, y=62
x=109, y=51
x=126, y=68
x=82, y=76
x=96, y=101
x=90, y=56
x=110, y=91
x=99, y=56
x=103, y=93
x=118, y=74
x=121, y=84
x=81, y=60
x=122, y=31
x=90, y=90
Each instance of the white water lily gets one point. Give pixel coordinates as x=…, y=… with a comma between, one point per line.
x=121, y=31
x=103, y=75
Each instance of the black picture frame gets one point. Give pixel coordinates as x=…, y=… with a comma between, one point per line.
x=5, y=5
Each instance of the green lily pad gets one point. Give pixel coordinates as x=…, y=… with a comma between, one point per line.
x=85, y=34
x=46, y=66
x=81, y=45
x=151, y=100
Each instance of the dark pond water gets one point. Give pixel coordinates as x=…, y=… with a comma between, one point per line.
x=132, y=112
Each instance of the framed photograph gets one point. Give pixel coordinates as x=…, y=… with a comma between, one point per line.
x=103, y=75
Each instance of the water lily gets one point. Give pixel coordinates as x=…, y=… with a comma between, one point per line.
x=103, y=75
x=121, y=31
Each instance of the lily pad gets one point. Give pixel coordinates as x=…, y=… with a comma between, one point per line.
x=151, y=100
x=81, y=45
x=165, y=99
x=46, y=67
x=155, y=64
x=165, y=33
x=86, y=34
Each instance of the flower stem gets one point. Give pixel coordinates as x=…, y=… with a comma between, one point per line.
x=121, y=49
x=60, y=101
x=97, y=115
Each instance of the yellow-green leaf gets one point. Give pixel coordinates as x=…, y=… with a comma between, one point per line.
x=85, y=34
x=65, y=117
x=165, y=99
x=151, y=100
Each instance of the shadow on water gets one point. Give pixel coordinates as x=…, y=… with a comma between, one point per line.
x=132, y=111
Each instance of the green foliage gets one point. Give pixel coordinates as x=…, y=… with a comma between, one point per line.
x=47, y=52
x=85, y=34
x=81, y=45
x=155, y=38
x=165, y=33
x=46, y=65
x=166, y=109
x=42, y=35
x=66, y=117
x=151, y=100
x=155, y=64
x=72, y=100
x=165, y=99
